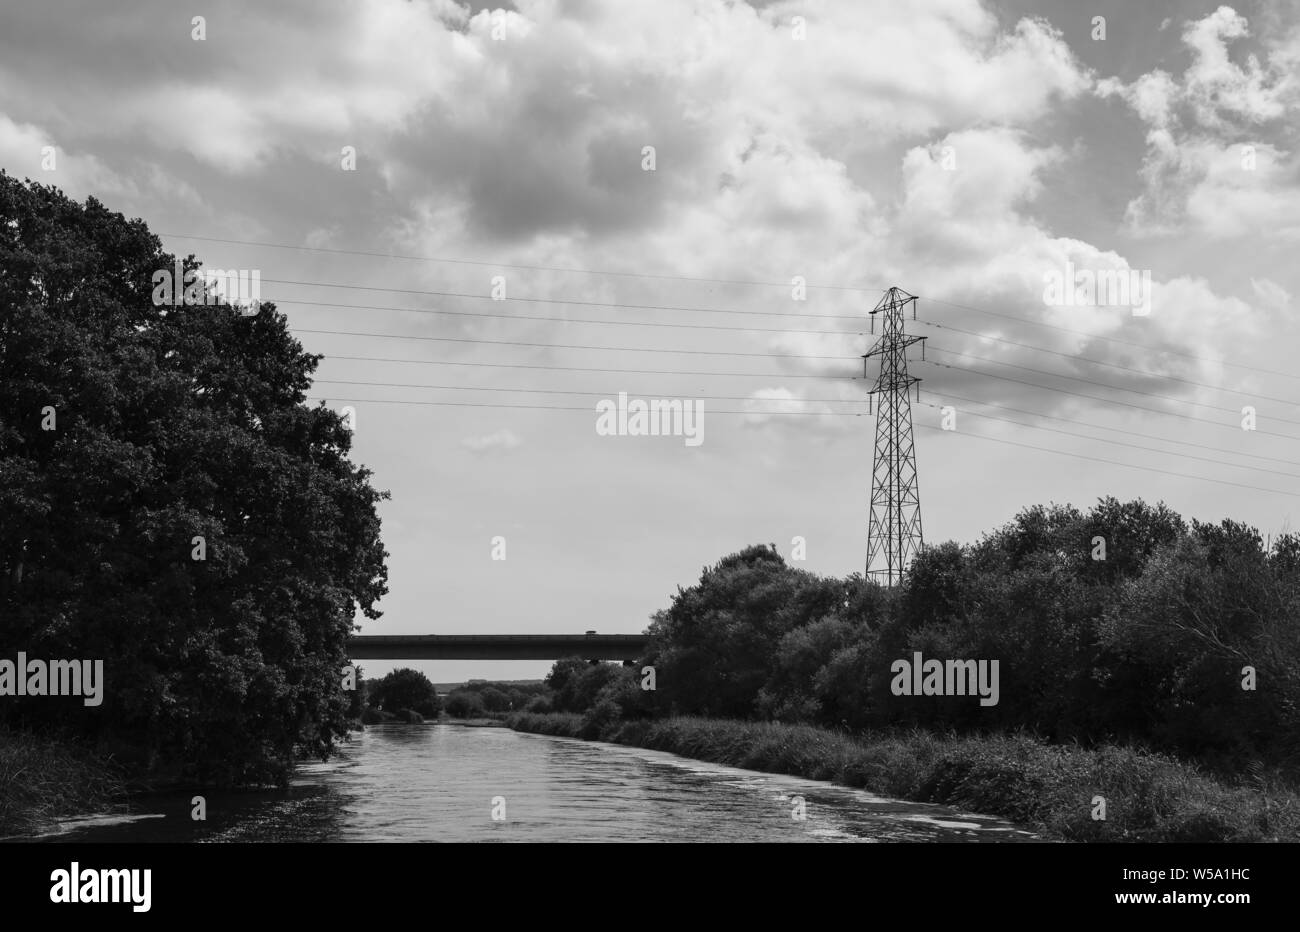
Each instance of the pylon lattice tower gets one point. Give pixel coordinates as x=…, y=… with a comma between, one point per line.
x=894, y=531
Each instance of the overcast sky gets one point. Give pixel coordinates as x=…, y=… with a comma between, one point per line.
x=961, y=150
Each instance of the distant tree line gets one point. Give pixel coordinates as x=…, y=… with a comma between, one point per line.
x=403, y=691
x=1120, y=624
x=484, y=699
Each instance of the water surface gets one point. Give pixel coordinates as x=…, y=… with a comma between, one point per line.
x=441, y=782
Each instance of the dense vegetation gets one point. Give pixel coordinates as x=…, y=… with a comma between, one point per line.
x=485, y=699
x=1148, y=645
x=1150, y=797
x=44, y=779
x=1123, y=632
x=128, y=432
x=402, y=691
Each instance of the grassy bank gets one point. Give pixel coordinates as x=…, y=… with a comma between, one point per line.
x=1149, y=797
x=44, y=779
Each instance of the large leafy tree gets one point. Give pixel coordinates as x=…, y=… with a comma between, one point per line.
x=128, y=430
x=1182, y=635
x=715, y=646
x=406, y=689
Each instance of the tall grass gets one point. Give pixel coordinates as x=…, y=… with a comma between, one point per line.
x=1148, y=797
x=44, y=779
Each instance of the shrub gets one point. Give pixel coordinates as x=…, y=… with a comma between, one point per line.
x=405, y=689
x=465, y=703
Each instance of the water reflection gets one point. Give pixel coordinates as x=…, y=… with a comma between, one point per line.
x=440, y=783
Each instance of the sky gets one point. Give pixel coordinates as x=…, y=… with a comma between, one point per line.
x=387, y=164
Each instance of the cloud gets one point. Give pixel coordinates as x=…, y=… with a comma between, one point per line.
x=1270, y=293
x=1210, y=164
x=78, y=173
x=968, y=235
x=776, y=157
x=543, y=130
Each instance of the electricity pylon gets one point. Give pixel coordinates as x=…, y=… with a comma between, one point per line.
x=894, y=531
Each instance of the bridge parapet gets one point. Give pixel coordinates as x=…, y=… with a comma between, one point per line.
x=497, y=646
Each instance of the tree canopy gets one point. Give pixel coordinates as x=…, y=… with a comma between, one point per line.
x=405, y=688
x=170, y=504
x=1121, y=622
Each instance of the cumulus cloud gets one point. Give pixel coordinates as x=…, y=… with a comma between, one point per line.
x=965, y=227
x=776, y=158
x=27, y=150
x=1216, y=160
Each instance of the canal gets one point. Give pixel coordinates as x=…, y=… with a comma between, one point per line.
x=446, y=782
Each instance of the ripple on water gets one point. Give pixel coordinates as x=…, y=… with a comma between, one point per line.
x=437, y=782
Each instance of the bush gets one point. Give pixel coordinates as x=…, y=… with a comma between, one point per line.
x=42, y=780
x=494, y=700
x=405, y=689
x=1150, y=797
x=465, y=703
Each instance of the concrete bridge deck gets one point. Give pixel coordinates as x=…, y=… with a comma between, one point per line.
x=497, y=646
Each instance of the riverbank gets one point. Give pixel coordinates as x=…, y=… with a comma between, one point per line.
x=475, y=722
x=1054, y=789
x=43, y=780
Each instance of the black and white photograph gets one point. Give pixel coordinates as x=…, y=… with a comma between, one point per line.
x=676, y=423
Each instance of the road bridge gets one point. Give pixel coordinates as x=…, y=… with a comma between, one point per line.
x=590, y=646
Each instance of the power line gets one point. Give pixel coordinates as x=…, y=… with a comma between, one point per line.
x=780, y=314
x=624, y=305
x=1110, y=365
x=471, y=404
x=1118, y=430
x=1092, y=336
x=508, y=265
x=557, y=391
x=664, y=277
x=1112, y=401
x=775, y=377
x=1072, y=378
x=1096, y=459
x=632, y=349
x=1121, y=443
x=621, y=349
x=812, y=356
x=581, y=368
x=842, y=333
x=578, y=320
x=587, y=408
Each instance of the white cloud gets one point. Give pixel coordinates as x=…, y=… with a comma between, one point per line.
x=1199, y=171
x=76, y=172
x=1270, y=293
